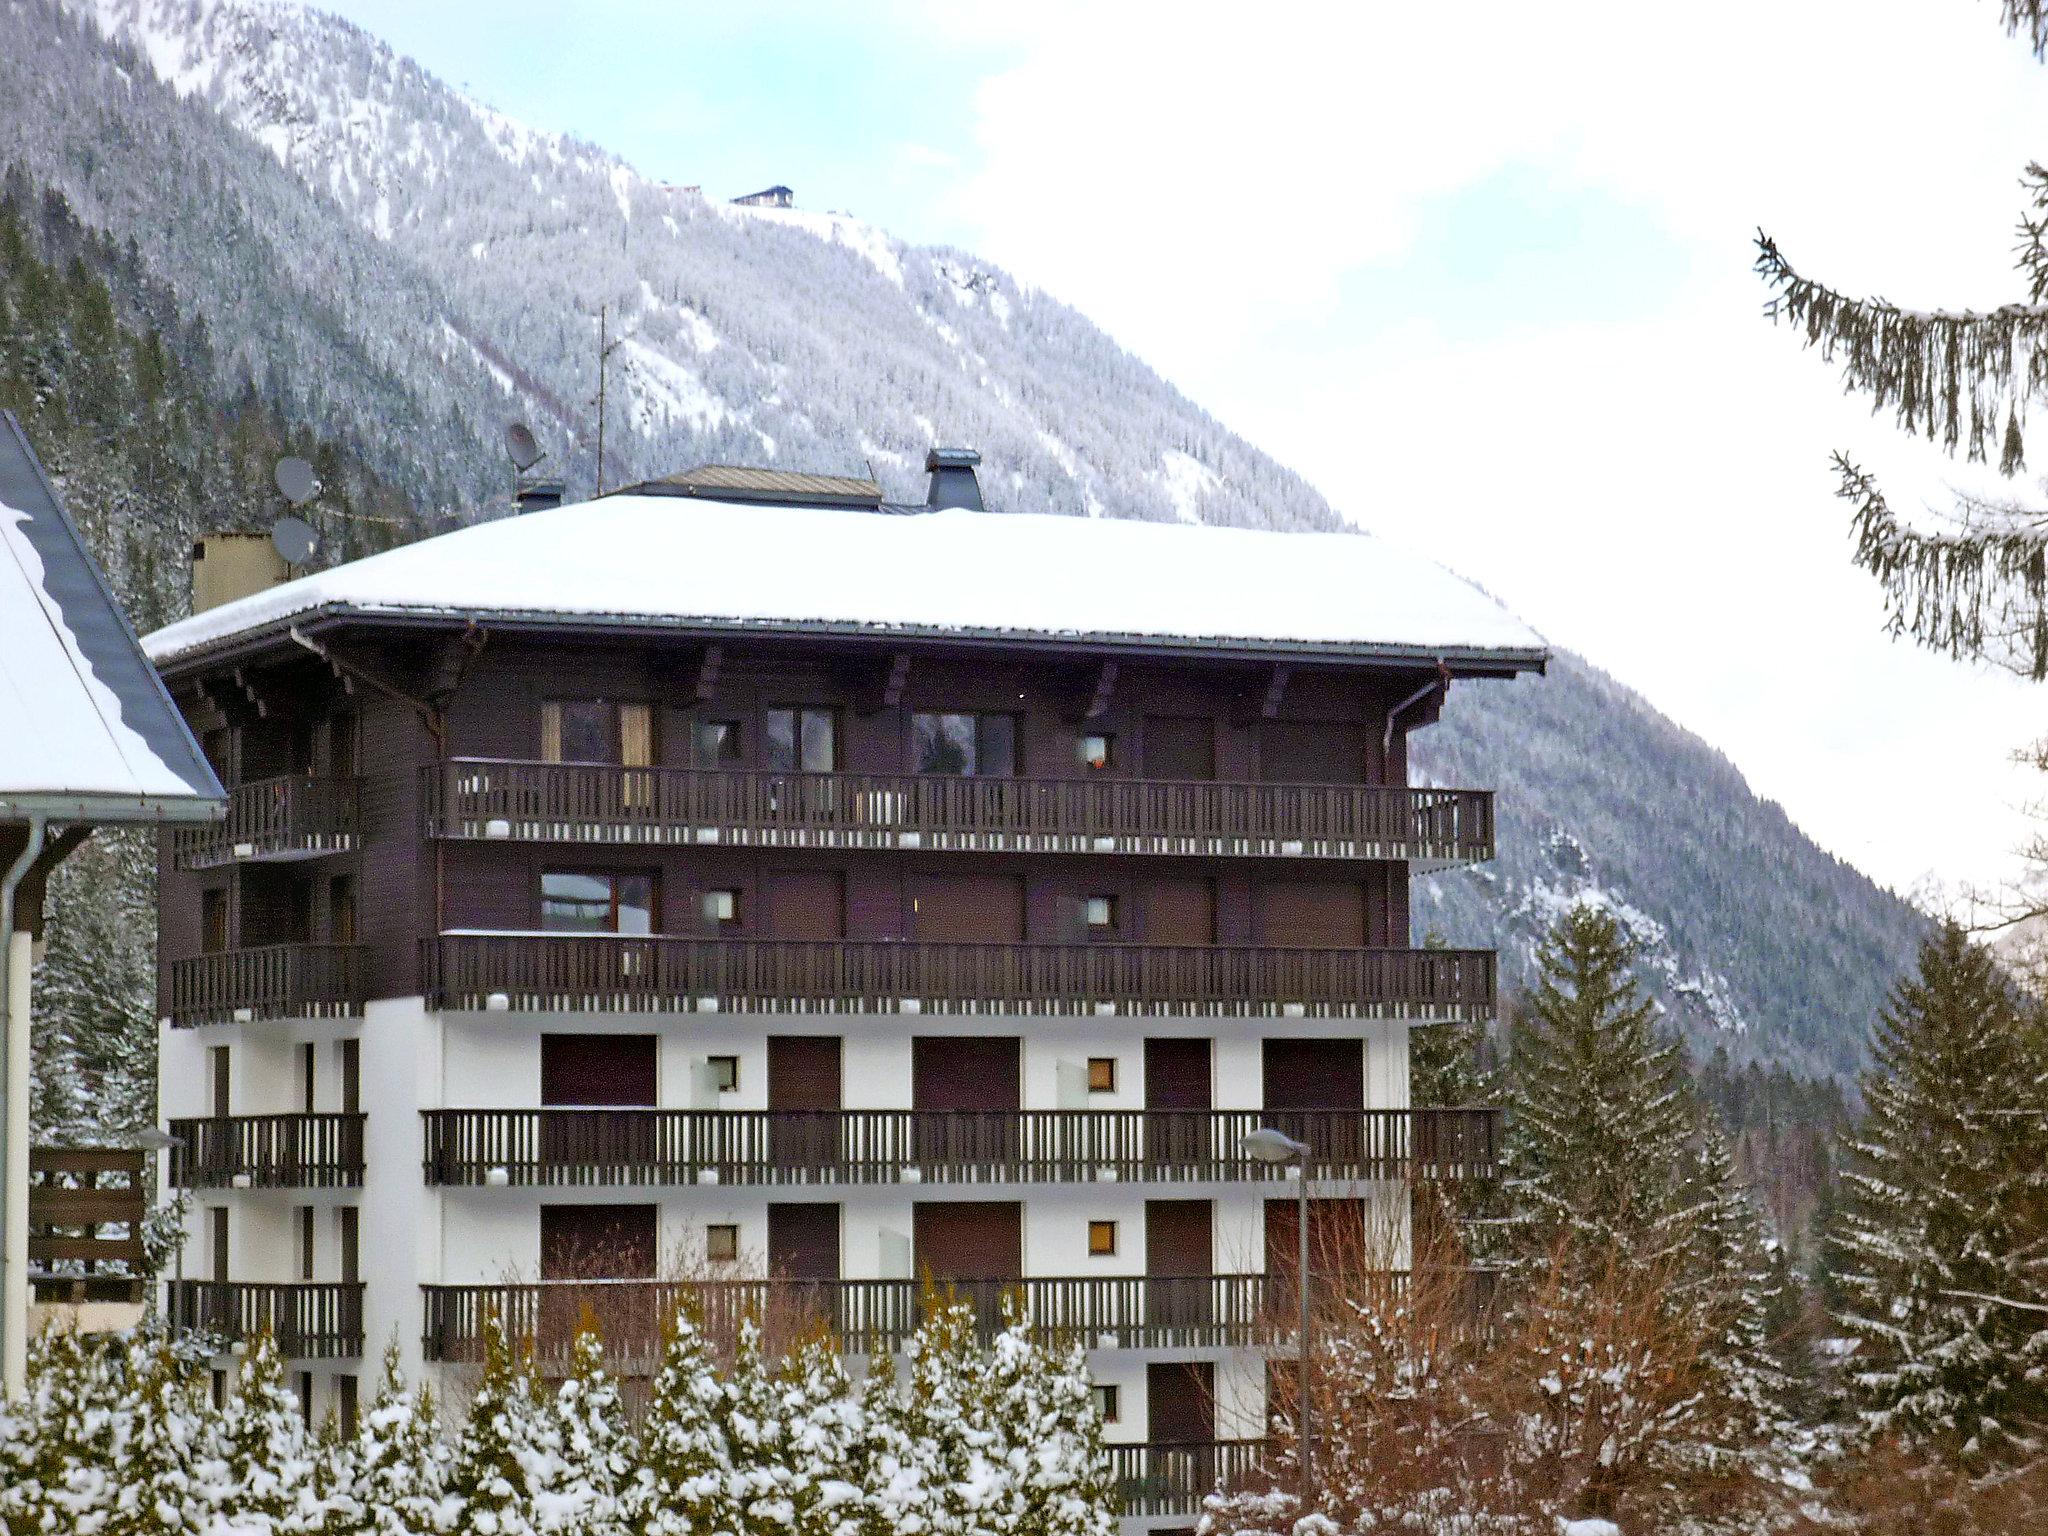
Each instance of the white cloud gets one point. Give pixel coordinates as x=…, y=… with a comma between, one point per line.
x=1234, y=193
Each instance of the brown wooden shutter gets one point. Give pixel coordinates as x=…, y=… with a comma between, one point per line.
x=806, y=903
x=1179, y=1237
x=1311, y=914
x=1314, y=752
x=1180, y=1404
x=1180, y=912
x=969, y=1239
x=803, y=1240
x=968, y=909
x=551, y=731
x=598, y=1069
x=1313, y=1074
x=966, y=1072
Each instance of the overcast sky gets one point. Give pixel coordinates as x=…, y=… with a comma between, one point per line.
x=1481, y=273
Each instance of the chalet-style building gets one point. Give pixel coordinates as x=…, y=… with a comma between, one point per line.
x=768, y=197
x=742, y=882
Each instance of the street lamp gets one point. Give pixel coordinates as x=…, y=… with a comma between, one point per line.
x=1277, y=1148
x=155, y=1139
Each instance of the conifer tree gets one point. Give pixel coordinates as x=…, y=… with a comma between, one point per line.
x=391, y=1477
x=509, y=1449
x=949, y=1443
x=599, y=1461
x=1941, y=1237
x=822, y=1436
x=888, y=1463
x=1048, y=1437
x=1599, y=1125
x=169, y=1470
x=263, y=1435
x=684, y=1454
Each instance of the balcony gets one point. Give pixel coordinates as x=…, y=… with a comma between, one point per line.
x=605, y=973
x=1173, y=1478
x=268, y=1152
x=275, y=981
x=477, y=798
x=866, y=1316
x=585, y=1148
x=309, y=1320
x=297, y=816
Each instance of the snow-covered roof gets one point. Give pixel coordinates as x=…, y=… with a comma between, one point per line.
x=87, y=733
x=699, y=564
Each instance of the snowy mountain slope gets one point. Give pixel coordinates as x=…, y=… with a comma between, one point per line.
x=405, y=269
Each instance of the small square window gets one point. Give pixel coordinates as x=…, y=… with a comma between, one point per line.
x=1098, y=752
x=1102, y=1074
x=721, y=907
x=721, y=1243
x=1108, y=1403
x=725, y=1073
x=1101, y=1239
x=1101, y=911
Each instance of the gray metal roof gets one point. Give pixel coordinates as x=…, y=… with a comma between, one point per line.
x=741, y=482
x=87, y=733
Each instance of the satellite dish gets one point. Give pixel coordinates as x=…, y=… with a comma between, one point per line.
x=295, y=481
x=293, y=537
x=520, y=444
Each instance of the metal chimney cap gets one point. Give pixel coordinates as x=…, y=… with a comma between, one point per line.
x=951, y=458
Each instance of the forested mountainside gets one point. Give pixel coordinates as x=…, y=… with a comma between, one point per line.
x=318, y=227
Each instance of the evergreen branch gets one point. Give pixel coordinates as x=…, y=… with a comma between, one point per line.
x=1978, y=592
x=1997, y=1301
x=2030, y=16
x=1947, y=375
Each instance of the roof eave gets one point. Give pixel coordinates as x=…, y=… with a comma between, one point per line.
x=108, y=810
x=1459, y=660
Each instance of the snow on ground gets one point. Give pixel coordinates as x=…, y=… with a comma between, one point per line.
x=456, y=340
x=664, y=390
x=707, y=562
x=1186, y=480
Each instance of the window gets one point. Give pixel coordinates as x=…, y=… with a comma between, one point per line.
x=576, y=901
x=1101, y=1239
x=348, y=1242
x=219, y=1391
x=305, y=1242
x=800, y=740
x=350, y=1052
x=1098, y=752
x=725, y=1073
x=715, y=744
x=975, y=746
x=597, y=731
x=1102, y=1074
x=345, y=1402
x=309, y=1057
x=1101, y=913
x=221, y=1066
x=304, y=1380
x=1108, y=1403
x=721, y=1243
x=721, y=908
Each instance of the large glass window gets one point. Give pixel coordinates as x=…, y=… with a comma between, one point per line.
x=597, y=731
x=805, y=740
x=715, y=744
x=978, y=746
x=580, y=901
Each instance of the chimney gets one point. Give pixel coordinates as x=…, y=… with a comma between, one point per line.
x=953, y=480
x=538, y=495
x=226, y=566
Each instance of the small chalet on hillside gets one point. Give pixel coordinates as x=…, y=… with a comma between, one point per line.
x=747, y=884
x=768, y=197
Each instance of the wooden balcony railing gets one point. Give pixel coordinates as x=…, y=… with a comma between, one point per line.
x=85, y=1211
x=276, y=981
x=586, y=973
x=594, y=803
x=564, y=1148
x=1173, y=1478
x=310, y=1320
x=866, y=1316
x=296, y=816
x=322, y=1151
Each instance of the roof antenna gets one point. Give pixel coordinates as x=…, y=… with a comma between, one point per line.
x=295, y=539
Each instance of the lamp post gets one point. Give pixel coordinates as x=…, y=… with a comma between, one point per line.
x=1277, y=1148
x=156, y=1140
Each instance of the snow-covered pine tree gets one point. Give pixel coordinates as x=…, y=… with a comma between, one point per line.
x=1598, y=1133
x=887, y=1462
x=599, y=1461
x=944, y=1423
x=169, y=1474
x=684, y=1456
x=509, y=1448
x=1941, y=1233
x=263, y=1437
x=822, y=1438
x=392, y=1474
x=759, y=1494
x=1040, y=1408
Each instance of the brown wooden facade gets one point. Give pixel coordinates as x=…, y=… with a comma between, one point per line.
x=396, y=788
